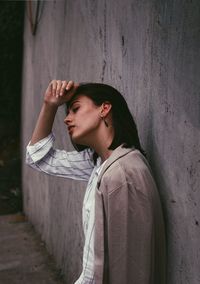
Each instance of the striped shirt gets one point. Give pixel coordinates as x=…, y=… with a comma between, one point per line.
x=78, y=166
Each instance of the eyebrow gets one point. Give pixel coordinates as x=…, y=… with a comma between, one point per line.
x=70, y=106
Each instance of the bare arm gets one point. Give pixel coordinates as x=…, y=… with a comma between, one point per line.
x=57, y=93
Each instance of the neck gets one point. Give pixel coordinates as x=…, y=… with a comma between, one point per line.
x=102, y=142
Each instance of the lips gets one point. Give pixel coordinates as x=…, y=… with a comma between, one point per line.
x=70, y=128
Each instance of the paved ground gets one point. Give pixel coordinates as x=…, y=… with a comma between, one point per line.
x=23, y=257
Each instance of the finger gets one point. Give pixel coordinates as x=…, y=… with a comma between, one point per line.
x=76, y=85
x=72, y=90
x=54, y=84
x=63, y=88
x=59, y=84
x=70, y=84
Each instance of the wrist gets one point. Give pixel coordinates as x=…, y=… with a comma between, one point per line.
x=50, y=105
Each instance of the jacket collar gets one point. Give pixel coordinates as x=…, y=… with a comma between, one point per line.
x=119, y=152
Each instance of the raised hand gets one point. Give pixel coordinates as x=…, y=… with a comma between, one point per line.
x=59, y=92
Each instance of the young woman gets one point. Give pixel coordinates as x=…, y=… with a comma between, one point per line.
x=122, y=215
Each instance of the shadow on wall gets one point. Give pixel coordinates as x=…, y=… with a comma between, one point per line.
x=11, y=34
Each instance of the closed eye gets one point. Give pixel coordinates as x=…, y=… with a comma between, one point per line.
x=75, y=109
x=74, y=106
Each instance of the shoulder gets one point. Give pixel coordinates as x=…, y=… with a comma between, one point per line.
x=127, y=165
x=131, y=170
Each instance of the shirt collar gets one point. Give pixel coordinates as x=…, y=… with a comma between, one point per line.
x=99, y=165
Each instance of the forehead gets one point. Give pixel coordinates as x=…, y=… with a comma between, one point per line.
x=81, y=98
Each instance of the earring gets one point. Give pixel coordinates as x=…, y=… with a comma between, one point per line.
x=103, y=118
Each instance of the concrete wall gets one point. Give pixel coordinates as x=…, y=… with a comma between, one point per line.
x=149, y=50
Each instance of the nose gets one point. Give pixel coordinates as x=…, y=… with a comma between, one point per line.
x=67, y=119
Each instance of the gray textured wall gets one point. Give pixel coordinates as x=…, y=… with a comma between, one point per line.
x=150, y=51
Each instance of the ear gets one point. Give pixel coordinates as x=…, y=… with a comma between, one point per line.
x=105, y=108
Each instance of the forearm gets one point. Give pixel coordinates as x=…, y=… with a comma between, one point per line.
x=58, y=92
x=44, y=123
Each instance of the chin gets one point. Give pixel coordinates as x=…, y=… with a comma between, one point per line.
x=79, y=141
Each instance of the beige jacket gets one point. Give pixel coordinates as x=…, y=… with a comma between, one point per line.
x=129, y=226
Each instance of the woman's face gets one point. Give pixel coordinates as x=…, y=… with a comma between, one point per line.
x=83, y=120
